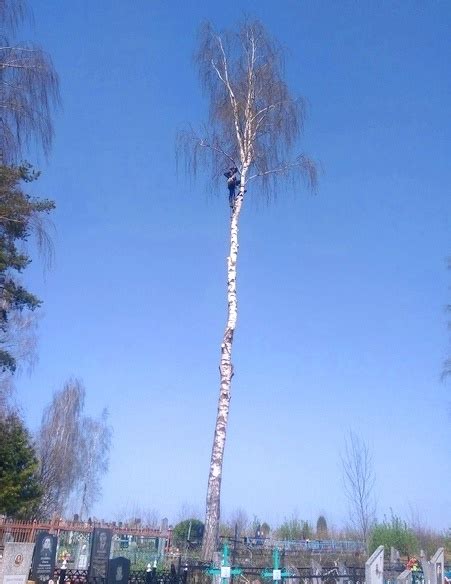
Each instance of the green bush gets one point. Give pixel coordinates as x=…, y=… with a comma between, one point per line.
x=394, y=533
x=191, y=529
x=294, y=529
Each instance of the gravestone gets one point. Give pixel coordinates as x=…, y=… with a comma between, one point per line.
x=404, y=578
x=426, y=567
x=81, y=556
x=161, y=547
x=438, y=567
x=394, y=556
x=374, y=567
x=343, y=571
x=16, y=562
x=118, y=571
x=433, y=570
x=44, y=558
x=317, y=571
x=100, y=553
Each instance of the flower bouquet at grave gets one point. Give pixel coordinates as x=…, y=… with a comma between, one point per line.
x=64, y=555
x=413, y=564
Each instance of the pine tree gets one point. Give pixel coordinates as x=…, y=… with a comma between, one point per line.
x=21, y=215
x=20, y=492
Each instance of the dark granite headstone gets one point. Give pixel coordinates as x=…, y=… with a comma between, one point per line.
x=44, y=558
x=100, y=553
x=118, y=571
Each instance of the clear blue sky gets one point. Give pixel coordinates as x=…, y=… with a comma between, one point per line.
x=341, y=295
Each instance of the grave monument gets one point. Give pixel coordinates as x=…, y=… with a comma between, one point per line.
x=16, y=562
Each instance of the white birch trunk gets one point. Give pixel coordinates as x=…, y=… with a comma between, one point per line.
x=212, y=514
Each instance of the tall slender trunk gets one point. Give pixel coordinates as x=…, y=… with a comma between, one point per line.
x=212, y=513
x=83, y=499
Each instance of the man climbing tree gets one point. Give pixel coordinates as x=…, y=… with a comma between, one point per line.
x=232, y=184
x=254, y=122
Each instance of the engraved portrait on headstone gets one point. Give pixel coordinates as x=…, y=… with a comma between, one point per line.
x=44, y=558
x=100, y=553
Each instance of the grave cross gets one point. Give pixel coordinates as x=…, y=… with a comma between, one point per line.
x=276, y=574
x=225, y=571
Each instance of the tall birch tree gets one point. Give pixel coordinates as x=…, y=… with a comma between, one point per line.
x=73, y=452
x=254, y=123
x=59, y=445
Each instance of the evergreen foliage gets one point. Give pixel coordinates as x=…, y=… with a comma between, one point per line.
x=189, y=529
x=20, y=492
x=20, y=216
x=321, y=527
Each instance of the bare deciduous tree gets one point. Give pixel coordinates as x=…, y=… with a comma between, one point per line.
x=73, y=451
x=236, y=522
x=28, y=88
x=359, y=481
x=59, y=443
x=94, y=459
x=19, y=341
x=253, y=124
x=132, y=512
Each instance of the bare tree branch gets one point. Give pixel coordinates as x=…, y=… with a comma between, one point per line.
x=29, y=89
x=59, y=442
x=73, y=451
x=94, y=459
x=359, y=481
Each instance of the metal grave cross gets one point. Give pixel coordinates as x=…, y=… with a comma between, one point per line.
x=276, y=574
x=225, y=571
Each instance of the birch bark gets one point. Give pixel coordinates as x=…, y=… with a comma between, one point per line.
x=211, y=533
x=255, y=122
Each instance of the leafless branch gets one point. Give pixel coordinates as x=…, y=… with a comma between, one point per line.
x=254, y=119
x=29, y=91
x=359, y=481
